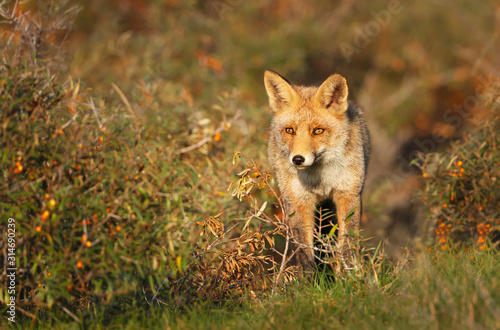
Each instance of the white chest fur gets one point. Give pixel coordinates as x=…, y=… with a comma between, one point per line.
x=322, y=179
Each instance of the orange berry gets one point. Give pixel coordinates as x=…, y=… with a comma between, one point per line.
x=60, y=132
x=69, y=288
x=460, y=174
x=47, y=197
x=49, y=274
x=45, y=215
x=459, y=163
x=79, y=264
x=84, y=238
x=444, y=205
x=78, y=167
x=118, y=228
x=52, y=202
x=101, y=139
x=89, y=243
x=95, y=215
x=462, y=169
x=108, y=210
x=217, y=137
x=39, y=285
x=38, y=228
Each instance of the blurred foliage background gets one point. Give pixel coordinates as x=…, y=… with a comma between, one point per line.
x=406, y=64
x=103, y=101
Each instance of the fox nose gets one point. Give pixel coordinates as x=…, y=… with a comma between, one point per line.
x=298, y=160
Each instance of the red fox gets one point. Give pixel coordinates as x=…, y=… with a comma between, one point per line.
x=318, y=147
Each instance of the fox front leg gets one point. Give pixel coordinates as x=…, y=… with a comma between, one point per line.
x=345, y=204
x=302, y=225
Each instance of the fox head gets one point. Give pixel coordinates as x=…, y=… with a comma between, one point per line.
x=310, y=124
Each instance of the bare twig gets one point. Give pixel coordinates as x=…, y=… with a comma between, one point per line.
x=137, y=120
x=70, y=121
x=124, y=99
x=207, y=139
x=92, y=106
x=73, y=316
x=25, y=312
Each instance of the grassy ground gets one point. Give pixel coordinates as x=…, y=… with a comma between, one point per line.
x=449, y=292
x=436, y=290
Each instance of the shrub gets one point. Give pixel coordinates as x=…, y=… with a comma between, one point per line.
x=462, y=190
x=106, y=210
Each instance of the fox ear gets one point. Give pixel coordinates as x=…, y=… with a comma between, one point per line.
x=279, y=90
x=333, y=94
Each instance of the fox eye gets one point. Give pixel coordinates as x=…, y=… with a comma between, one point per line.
x=289, y=130
x=318, y=131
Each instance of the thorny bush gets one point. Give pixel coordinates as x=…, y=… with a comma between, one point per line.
x=103, y=207
x=462, y=189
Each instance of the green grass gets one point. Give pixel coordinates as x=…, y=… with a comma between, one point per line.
x=436, y=290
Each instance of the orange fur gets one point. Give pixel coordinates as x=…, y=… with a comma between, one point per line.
x=318, y=148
